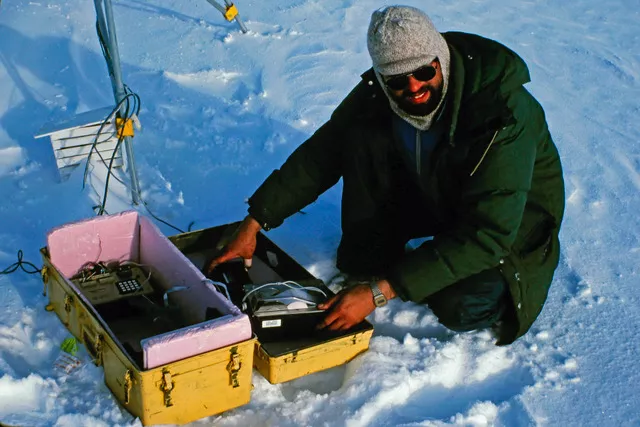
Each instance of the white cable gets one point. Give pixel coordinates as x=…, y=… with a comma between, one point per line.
x=288, y=284
x=214, y=284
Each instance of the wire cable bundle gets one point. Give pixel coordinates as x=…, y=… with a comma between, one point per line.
x=21, y=264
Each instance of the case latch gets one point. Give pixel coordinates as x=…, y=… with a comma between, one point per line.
x=128, y=383
x=45, y=279
x=356, y=338
x=98, y=347
x=166, y=387
x=68, y=300
x=93, y=343
x=234, y=366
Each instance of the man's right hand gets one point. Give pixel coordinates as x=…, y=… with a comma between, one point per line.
x=242, y=244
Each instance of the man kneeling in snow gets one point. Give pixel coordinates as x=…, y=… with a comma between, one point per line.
x=441, y=139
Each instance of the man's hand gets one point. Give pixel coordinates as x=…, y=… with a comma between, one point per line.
x=348, y=308
x=352, y=305
x=242, y=244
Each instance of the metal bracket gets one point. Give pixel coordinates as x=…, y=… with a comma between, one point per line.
x=166, y=387
x=230, y=12
x=234, y=366
x=128, y=384
x=125, y=127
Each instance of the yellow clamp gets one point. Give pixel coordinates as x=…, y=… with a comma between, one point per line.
x=231, y=12
x=125, y=127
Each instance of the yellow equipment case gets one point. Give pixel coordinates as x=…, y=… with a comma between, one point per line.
x=215, y=378
x=176, y=392
x=284, y=359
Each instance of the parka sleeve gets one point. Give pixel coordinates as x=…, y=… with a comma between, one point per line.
x=489, y=212
x=314, y=167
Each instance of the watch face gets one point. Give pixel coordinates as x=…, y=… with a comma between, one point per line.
x=379, y=300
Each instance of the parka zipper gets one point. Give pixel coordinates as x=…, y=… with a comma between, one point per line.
x=485, y=153
x=418, y=152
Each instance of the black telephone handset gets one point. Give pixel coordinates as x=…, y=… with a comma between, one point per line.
x=124, y=272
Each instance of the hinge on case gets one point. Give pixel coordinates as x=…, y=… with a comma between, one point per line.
x=166, y=387
x=234, y=366
x=45, y=279
x=128, y=383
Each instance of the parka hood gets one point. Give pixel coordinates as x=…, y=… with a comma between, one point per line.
x=483, y=73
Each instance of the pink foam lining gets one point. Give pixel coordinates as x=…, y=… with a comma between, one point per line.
x=182, y=343
x=177, y=270
x=104, y=238
x=129, y=236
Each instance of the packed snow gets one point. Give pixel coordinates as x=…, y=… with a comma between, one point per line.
x=222, y=109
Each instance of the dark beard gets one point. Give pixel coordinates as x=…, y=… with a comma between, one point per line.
x=420, y=110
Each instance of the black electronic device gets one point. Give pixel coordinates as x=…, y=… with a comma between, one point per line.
x=101, y=285
x=234, y=276
x=285, y=310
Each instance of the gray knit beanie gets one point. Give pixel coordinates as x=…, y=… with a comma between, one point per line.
x=400, y=40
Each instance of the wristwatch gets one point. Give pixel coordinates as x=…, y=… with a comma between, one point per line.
x=378, y=297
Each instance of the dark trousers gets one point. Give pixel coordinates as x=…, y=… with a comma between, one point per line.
x=476, y=302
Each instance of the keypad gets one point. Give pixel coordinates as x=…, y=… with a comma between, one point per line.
x=128, y=286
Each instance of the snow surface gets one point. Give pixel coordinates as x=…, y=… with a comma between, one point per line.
x=222, y=109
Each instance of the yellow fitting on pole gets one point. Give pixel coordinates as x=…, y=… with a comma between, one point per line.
x=231, y=13
x=125, y=127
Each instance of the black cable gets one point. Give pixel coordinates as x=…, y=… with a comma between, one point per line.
x=136, y=100
x=128, y=108
x=21, y=264
x=104, y=48
x=161, y=220
x=106, y=189
x=136, y=104
x=103, y=205
x=102, y=125
x=144, y=203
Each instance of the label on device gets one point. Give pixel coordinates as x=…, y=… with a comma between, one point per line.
x=275, y=323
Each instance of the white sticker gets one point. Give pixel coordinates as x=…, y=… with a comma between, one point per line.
x=275, y=323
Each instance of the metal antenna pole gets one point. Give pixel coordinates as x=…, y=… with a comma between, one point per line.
x=108, y=30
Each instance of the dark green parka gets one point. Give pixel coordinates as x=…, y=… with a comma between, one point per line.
x=491, y=193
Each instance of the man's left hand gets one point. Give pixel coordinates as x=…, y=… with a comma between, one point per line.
x=348, y=308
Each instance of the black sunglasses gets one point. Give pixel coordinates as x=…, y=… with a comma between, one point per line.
x=401, y=81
